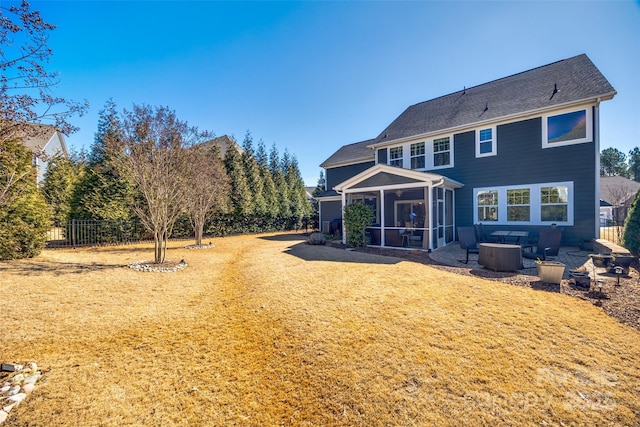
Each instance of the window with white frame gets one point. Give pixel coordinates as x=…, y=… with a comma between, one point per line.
x=487, y=205
x=417, y=155
x=485, y=142
x=533, y=204
x=554, y=203
x=442, y=152
x=567, y=128
x=518, y=204
x=395, y=156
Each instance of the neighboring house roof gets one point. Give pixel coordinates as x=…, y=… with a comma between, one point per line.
x=37, y=136
x=352, y=153
x=617, y=190
x=554, y=85
x=604, y=204
x=223, y=142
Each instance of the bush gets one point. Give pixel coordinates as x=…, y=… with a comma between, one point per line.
x=357, y=217
x=23, y=226
x=631, y=234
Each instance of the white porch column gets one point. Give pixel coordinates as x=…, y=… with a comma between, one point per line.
x=381, y=217
x=344, y=233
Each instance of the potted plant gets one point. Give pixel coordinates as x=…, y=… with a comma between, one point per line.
x=550, y=271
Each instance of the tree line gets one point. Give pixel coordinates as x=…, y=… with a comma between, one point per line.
x=614, y=162
x=145, y=164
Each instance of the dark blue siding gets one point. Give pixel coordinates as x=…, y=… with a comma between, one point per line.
x=337, y=175
x=520, y=159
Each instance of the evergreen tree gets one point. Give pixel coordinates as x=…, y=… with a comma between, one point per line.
x=24, y=214
x=275, y=166
x=613, y=162
x=252, y=174
x=102, y=193
x=298, y=202
x=634, y=164
x=268, y=186
x=631, y=234
x=59, y=184
x=240, y=197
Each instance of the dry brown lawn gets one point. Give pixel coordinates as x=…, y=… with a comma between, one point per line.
x=267, y=331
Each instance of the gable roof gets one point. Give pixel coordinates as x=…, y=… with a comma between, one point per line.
x=555, y=85
x=382, y=175
x=617, y=190
x=223, y=142
x=36, y=137
x=352, y=153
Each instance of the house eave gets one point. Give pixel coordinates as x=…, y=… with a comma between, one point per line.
x=347, y=163
x=509, y=118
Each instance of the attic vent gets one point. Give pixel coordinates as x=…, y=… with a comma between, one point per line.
x=555, y=90
x=486, y=106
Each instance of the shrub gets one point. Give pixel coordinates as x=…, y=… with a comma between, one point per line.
x=357, y=217
x=631, y=234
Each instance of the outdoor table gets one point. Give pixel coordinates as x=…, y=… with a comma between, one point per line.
x=500, y=257
x=503, y=234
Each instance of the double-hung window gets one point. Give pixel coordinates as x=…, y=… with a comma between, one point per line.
x=487, y=203
x=442, y=152
x=554, y=203
x=417, y=155
x=533, y=204
x=485, y=142
x=395, y=156
x=519, y=204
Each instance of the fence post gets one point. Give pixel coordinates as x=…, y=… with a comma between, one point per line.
x=73, y=233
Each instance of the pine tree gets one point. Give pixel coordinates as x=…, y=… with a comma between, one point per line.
x=252, y=174
x=299, y=205
x=275, y=166
x=241, y=200
x=24, y=215
x=59, y=184
x=268, y=186
x=631, y=234
x=102, y=193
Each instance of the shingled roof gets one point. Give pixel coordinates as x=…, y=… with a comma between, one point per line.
x=554, y=85
x=223, y=142
x=352, y=153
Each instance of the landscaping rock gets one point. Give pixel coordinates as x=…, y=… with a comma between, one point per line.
x=16, y=398
x=28, y=388
x=317, y=239
x=3, y=416
x=16, y=388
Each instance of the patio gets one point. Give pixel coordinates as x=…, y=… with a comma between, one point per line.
x=572, y=257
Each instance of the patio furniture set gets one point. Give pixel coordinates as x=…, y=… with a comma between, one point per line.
x=503, y=250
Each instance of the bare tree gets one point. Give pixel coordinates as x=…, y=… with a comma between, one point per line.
x=153, y=154
x=25, y=84
x=208, y=188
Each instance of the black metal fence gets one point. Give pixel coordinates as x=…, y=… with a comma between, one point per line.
x=76, y=233
x=612, y=231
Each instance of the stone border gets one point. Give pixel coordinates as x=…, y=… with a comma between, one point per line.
x=16, y=387
x=147, y=266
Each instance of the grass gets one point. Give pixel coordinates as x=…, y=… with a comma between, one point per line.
x=266, y=330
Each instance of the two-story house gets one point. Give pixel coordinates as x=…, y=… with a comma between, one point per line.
x=521, y=152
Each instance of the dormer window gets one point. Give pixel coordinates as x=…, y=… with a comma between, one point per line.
x=395, y=156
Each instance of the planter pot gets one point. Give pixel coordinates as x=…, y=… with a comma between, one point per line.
x=600, y=260
x=550, y=271
x=620, y=260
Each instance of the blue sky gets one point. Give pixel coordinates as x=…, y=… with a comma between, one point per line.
x=313, y=76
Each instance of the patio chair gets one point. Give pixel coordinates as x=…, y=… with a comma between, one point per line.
x=548, y=244
x=467, y=238
x=482, y=236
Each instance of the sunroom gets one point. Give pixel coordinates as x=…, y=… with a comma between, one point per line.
x=412, y=209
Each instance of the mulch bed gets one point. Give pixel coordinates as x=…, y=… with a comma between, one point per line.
x=621, y=302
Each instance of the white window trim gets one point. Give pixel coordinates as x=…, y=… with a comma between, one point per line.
x=428, y=153
x=494, y=142
x=401, y=158
x=535, y=204
x=587, y=138
x=423, y=155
